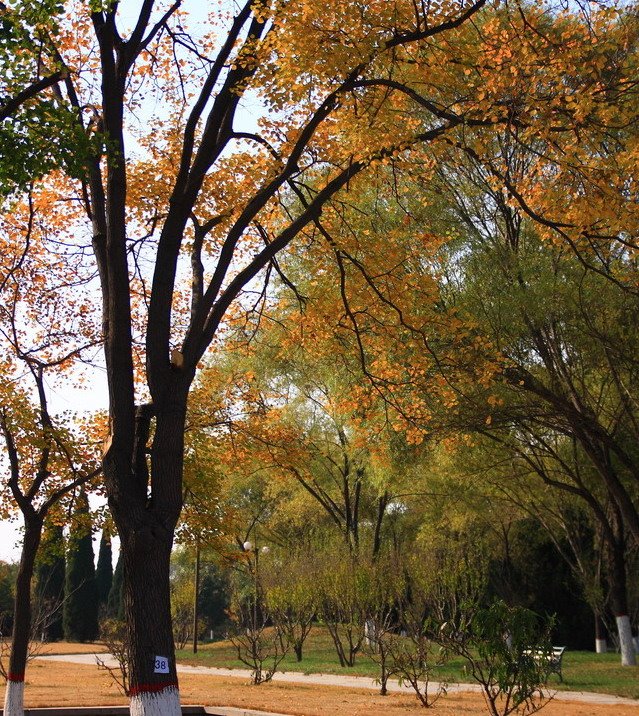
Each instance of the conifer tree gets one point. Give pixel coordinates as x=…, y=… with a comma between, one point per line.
x=50, y=578
x=115, y=604
x=104, y=570
x=81, y=597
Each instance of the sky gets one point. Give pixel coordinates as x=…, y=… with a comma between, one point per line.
x=96, y=397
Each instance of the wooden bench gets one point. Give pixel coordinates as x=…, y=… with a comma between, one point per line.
x=553, y=659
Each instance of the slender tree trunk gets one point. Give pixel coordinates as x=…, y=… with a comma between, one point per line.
x=382, y=504
x=196, y=589
x=14, y=692
x=601, y=643
x=619, y=601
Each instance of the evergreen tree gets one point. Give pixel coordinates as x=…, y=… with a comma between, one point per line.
x=50, y=577
x=81, y=596
x=115, y=604
x=7, y=580
x=104, y=570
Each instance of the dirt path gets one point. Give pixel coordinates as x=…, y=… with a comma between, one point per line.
x=313, y=690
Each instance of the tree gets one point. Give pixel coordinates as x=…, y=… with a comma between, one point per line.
x=38, y=130
x=232, y=202
x=291, y=598
x=45, y=332
x=342, y=91
x=566, y=412
x=115, y=602
x=292, y=415
x=81, y=594
x=104, y=569
x=7, y=578
x=510, y=676
x=50, y=578
x=44, y=466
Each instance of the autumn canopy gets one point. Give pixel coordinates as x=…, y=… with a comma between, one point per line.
x=175, y=175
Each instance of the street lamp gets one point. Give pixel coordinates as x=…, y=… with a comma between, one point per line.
x=249, y=547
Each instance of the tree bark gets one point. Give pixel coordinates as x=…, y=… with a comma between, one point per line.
x=146, y=509
x=14, y=692
x=196, y=592
x=626, y=643
x=619, y=601
x=601, y=643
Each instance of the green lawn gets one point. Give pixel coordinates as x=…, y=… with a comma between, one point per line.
x=582, y=670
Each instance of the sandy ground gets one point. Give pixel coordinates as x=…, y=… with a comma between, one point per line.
x=56, y=683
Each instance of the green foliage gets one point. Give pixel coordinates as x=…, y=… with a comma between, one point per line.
x=343, y=586
x=104, y=569
x=7, y=579
x=50, y=579
x=81, y=595
x=213, y=596
x=41, y=132
x=213, y=599
x=292, y=599
x=182, y=596
x=115, y=602
x=258, y=645
x=507, y=652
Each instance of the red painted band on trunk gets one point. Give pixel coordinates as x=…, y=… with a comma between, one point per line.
x=151, y=688
x=15, y=677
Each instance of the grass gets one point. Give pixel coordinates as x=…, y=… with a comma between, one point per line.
x=582, y=670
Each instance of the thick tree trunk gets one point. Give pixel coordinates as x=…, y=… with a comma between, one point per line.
x=14, y=692
x=146, y=520
x=146, y=553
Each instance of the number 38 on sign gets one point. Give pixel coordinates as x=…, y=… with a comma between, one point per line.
x=161, y=665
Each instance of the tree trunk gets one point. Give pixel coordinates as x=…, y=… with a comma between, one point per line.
x=196, y=592
x=626, y=643
x=146, y=553
x=601, y=643
x=14, y=692
x=146, y=521
x=619, y=601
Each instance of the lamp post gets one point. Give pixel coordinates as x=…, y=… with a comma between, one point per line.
x=196, y=587
x=249, y=548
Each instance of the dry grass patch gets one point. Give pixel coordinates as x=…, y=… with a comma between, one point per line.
x=61, y=647
x=66, y=647
x=59, y=684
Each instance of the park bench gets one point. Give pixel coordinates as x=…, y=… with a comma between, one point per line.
x=552, y=658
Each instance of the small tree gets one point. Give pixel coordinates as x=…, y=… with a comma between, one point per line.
x=291, y=599
x=113, y=634
x=410, y=654
x=387, y=587
x=342, y=589
x=507, y=651
x=260, y=646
